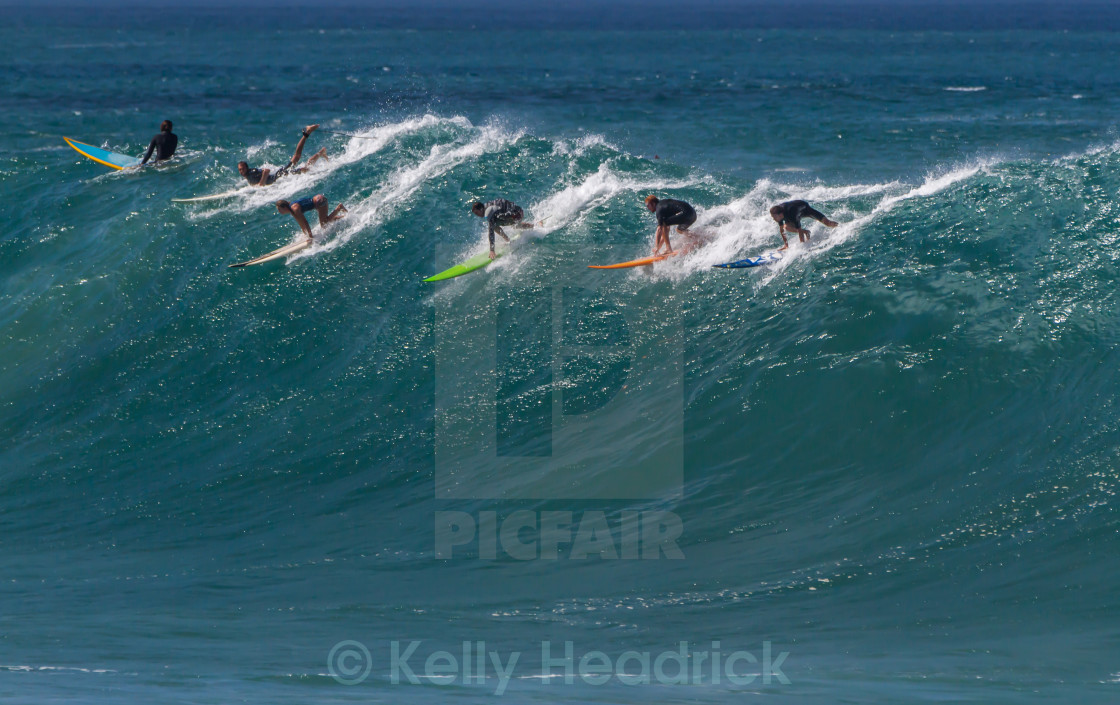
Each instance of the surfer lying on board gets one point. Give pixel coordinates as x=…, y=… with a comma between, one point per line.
x=265, y=177
x=669, y=212
x=788, y=216
x=497, y=213
x=163, y=144
x=316, y=203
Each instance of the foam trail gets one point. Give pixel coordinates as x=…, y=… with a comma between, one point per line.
x=733, y=228
x=370, y=212
x=570, y=204
x=368, y=144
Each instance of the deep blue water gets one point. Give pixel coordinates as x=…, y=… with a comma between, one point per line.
x=892, y=457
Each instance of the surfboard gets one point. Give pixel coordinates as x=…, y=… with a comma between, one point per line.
x=211, y=197
x=634, y=263
x=764, y=258
x=276, y=254
x=474, y=263
x=102, y=156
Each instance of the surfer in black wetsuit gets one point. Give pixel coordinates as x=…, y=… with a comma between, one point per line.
x=788, y=216
x=497, y=213
x=163, y=144
x=669, y=212
x=265, y=177
x=318, y=204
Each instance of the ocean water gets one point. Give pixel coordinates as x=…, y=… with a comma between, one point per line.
x=883, y=470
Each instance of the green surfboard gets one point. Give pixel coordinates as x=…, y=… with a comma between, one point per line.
x=477, y=262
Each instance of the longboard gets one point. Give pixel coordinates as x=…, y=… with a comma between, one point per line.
x=477, y=262
x=636, y=262
x=277, y=254
x=102, y=156
x=764, y=258
x=211, y=197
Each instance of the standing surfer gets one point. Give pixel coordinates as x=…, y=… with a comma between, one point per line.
x=163, y=144
x=317, y=203
x=264, y=177
x=497, y=213
x=788, y=216
x=669, y=212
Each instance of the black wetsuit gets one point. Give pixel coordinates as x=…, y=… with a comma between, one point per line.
x=673, y=212
x=794, y=211
x=501, y=212
x=254, y=175
x=163, y=145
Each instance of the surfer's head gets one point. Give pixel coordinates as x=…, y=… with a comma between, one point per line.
x=478, y=209
x=283, y=206
x=777, y=214
x=165, y=126
x=651, y=202
x=243, y=168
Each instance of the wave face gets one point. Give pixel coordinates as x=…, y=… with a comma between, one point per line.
x=892, y=455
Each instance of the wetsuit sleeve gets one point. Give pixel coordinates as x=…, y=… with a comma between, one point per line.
x=151, y=148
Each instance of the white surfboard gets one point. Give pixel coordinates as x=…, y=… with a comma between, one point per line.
x=277, y=254
x=211, y=197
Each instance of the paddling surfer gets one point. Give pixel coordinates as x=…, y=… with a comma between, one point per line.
x=788, y=216
x=163, y=144
x=317, y=203
x=497, y=213
x=265, y=176
x=669, y=212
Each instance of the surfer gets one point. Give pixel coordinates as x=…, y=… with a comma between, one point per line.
x=788, y=216
x=317, y=203
x=265, y=177
x=497, y=213
x=163, y=144
x=669, y=212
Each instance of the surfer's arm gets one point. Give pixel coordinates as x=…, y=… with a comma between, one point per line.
x=264, y=177
x=782, y=232
x=148, y=155
x=495, y=228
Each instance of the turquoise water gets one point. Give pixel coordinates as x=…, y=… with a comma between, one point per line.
x=893, y=456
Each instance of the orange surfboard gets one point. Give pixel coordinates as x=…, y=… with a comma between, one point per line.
x=633, y=263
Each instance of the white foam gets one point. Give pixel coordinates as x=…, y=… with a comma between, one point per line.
x=372, y=210
x=366, y=144
x=570, y=204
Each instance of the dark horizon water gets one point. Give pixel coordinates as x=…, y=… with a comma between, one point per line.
x=581, y=15
x=886, y=467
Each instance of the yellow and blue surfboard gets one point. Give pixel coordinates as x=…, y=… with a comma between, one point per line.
x=102, y=156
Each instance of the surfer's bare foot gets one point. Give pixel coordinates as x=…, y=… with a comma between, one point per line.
x=310, y=128
x=783, y=247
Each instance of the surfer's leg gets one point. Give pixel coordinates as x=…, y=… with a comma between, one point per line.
x=334, y=214
x=321, y=208
x=321, y=154
x=686, y=221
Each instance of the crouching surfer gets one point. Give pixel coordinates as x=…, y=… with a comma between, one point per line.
x=318, y=204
